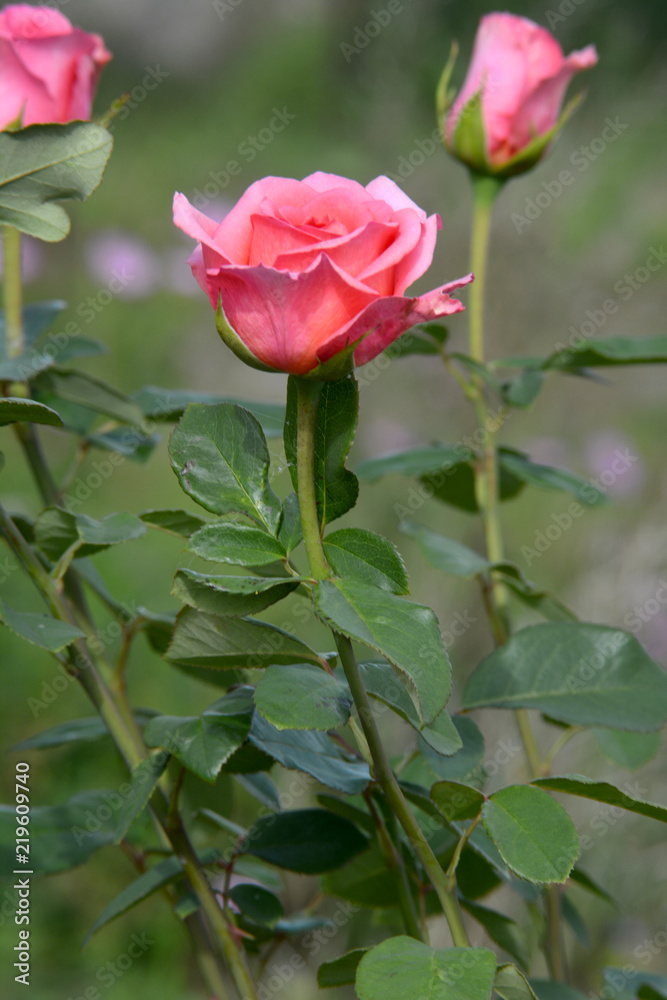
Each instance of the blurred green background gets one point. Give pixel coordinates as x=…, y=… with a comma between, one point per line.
x=216, y=72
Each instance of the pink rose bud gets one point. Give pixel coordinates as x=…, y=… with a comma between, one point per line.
x=509, y=108
x=308, y=277
x=48, y=69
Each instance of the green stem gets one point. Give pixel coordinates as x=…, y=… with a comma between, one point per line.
x=485, y=190
x=307, y=393
x=391, y=852
x=13, y=293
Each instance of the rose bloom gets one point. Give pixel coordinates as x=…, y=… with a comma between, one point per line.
x=48, y=69
x=522, y=74
x=305, y=269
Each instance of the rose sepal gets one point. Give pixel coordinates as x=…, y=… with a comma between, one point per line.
x=235, y=344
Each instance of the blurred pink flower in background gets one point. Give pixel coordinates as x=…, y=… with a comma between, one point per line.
x=113, y=255
x=614, y=463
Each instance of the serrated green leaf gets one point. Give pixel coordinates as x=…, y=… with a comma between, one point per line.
x=56, y=531
x=628, y=750
x=534, y=835
x=311, y=752
x=383, y=685
x=229, y=595
x=43, y=164
x=403, y=967
x=41, y=630
x=302, y=696
x=611, y=351
x=602, y=791
x=407, y=634
x=14, y=409
x=445, y=554
x=511, y=984
x=145, y=777
x=203, y=640
x=84, y=390
x=221, y=458
x=578, y=673
x=176, y=522
x=309, y=841
x=364, y=881
x=524, y=389
x=336, y=488
x=238, y=544
x=340, y=971
x=464, y=764
x=256, y=902
x=358, y=554
x=547, y=477
x=457, y=801
x=149, y=882
x=203, y=743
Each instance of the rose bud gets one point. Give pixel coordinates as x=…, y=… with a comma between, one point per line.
x=48, y=69
x=509, y=108
x=308, y=277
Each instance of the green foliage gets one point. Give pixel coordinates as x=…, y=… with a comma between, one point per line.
x=403, y=967
x=506, y=933
x=220, y=456
x=407, y=634
x=41, y=630
x=14, y=409
x=302, y=696
x=602, y=791
x=340, y=971
x=309, y=841
x=457, y=801
x=361, y=555
x=535, y=836
x=43, y=164
x=57, y=532
x=578, y=673
x=312, y=752
x=238, y=544
x=205, y=640
x=203, y=743
x=229, y=595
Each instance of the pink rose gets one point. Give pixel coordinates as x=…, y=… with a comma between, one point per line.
x=522, y=75
x=48, y=69
x=304, y=269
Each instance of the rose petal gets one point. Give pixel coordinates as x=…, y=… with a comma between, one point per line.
x=350, y=252
x=386, y=190
x=284, y=318
x=390, y=316
x=234, y=234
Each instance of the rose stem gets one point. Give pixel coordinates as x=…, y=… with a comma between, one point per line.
x=307, y=399
x=485, y=191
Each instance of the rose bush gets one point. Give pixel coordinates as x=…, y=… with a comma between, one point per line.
x=303, y=270
x=48, y=69
x=509, y=106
